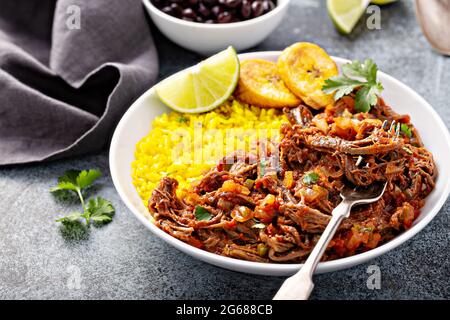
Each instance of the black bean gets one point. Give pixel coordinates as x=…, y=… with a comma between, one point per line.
x=210, y=3
x=232, y=3
x=224, y=17
x=257, y=8
x=204, y=10
x=246, y=9
x=177, y=10
x=189, y=13
x=167, y=10
x=268, y=6
x=216, y=11
x=159, y=3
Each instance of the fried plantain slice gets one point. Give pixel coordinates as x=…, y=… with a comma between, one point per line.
x=261, y=85
x=304, y=67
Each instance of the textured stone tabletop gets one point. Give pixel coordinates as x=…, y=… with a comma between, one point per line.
x=123, y=260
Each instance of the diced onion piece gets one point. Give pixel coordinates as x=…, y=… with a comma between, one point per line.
x=231, y=186
x=314, y=193
x=242, y=214
x=344, y=128
x=347, y=114
x=266, y=210
x=321, y=124
x=262, y=249
x=249, y=183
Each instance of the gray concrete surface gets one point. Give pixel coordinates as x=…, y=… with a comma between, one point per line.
x=125, y=261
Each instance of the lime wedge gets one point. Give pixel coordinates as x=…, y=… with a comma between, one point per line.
x=382, y=2
x=202, y=87
x=346, y=13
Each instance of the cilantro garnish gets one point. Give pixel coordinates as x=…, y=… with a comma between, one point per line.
x=100, y=210
x=310, y=178
x=354, y=74
x=406, y=130
x=97, y=210
x=366, y=229
x=183, y=119
x=76, y=180
x=201, y=214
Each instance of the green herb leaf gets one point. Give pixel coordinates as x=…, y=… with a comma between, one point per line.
x=183, y=119
x=98, y=207
x=201, y=214
x=64, y=186
x=310, y=178
x=365, y=98
x=75, y=216
x=86, y=178
x=76, y=180
x=365, y=229
x=354, y=74
x=341, y=85
x=68, y=181
x=69, y=176
x=406, y=130
x=101, y=219
x=367, y=70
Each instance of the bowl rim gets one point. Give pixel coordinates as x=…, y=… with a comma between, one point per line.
x=273, y=268
x=232, y=25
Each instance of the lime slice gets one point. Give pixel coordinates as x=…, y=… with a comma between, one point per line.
x=382, y=2
x=204, y=86
x=346, y=13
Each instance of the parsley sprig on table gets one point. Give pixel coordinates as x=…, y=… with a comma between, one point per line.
x=356, y=75
x=97, y=209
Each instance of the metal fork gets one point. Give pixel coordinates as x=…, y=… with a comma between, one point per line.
x=300, y=285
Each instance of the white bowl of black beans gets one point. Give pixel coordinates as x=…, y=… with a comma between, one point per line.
x=208, y=26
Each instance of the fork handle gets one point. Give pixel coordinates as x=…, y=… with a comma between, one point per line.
x=300, y=285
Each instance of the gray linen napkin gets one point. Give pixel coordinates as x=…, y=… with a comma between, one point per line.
x=69, y=69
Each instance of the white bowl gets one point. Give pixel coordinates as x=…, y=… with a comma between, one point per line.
x=135, y=124
x=207, y=39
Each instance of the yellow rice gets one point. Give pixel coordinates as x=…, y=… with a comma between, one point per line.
x=155, y=152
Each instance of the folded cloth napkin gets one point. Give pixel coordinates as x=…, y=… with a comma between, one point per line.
x=69, y=69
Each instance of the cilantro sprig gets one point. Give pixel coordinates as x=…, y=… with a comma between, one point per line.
x=406, y=130
x=356, y=75
x=201, y=214
x=97, y=210
x=310, y=178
